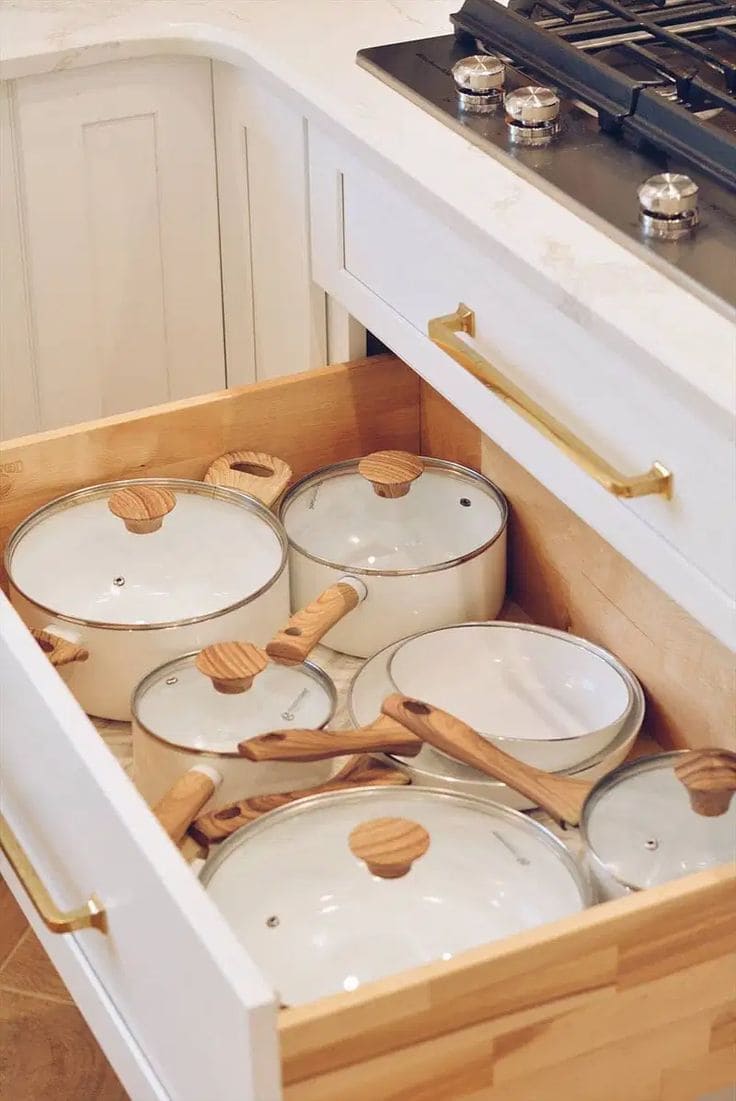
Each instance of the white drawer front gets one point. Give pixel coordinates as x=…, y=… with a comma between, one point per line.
x=178, y=995
x=395, y=264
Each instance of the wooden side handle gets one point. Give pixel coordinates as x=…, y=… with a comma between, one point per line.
x=253, y=472
x=141, y=508
x=382, y=736
x=560, y=796
x=58, y=650
x=391, y=472
x=181, y=804
x=231, y=666
x=389, y=846
x=306, y=627
x=710, y=778
x=358, y=772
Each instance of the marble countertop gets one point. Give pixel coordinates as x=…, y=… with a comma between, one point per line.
x=309, y=46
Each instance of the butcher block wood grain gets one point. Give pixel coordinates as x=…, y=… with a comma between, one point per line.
x=308, y=420
x=564, y=575
x=601, y=1006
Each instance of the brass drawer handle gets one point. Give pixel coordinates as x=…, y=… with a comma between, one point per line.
x=89, y=916
x=442, y=330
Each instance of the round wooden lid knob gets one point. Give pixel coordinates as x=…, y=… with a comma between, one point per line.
x=391, y=472
x=231, y=666
x=389, y=846
x=142, y=508
x=710, y=778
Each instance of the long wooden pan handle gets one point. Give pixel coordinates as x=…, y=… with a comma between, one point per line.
x=306, y=627
x=560, y=796
x=253, y=472
x=177, y=809
x=362, y=771
x=382, y=736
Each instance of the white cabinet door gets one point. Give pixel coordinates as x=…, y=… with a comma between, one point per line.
x=116, y=173
x=180, y=1010
x=274, y=314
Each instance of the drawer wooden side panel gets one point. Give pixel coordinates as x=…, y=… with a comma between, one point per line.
x=564, y=575
x=621, y=1002
x=310, y=419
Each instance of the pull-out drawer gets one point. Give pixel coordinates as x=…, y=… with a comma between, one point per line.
x=610, y=408
x=633, y=999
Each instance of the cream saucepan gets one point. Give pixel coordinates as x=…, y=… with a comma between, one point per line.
x=115, y=579
x=388, y=545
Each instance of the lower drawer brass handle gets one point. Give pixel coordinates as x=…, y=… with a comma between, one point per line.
x=442, y=332
x=89, y=916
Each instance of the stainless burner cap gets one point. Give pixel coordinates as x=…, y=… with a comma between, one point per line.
x=532, y=105
x=479, y=73
x=668, y=206
x=668, y=194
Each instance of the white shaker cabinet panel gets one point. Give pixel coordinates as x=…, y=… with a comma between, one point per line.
x=19, y=406
x=118, y=180
x=274, y=315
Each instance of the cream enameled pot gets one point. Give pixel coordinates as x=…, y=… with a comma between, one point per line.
x=133, y=573
x=388, y=545
x=256, y=723
x=341, y=889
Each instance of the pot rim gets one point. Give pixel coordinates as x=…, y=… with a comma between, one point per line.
x=187, y=485
x=334, y=470
x=489, y=807
x=634, y=715
x=315, y=671
x=651, y=763
x=575, y=640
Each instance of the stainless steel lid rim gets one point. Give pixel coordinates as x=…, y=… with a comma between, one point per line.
x=492, y=810
x=169, y=667
x=335, y=470
x=635, y=714
x=204, y=489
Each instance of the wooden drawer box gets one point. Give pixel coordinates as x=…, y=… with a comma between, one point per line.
x=634, y=1000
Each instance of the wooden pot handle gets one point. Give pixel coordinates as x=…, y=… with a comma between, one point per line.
x=58, y=650
x=389, y=846
x=560, y=796
x=382, y=736
x=360, y=771
x=391, y=472
x=141, y=507
x=710, y=778
x=177, y=809
x=231, y=666
x=294, y=643
x=253, y=472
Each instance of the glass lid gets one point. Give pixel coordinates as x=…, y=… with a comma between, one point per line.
x=360, y=516
x=146, y=553
x=179, y=704
x=341, y=889
x=642, y=827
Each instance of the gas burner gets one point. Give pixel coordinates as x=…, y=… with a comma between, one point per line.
x=479, y=82
x=668, y=206
x=532, y=115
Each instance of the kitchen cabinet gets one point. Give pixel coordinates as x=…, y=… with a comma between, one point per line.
x=393, y=263
x=274, y=314
x=629, y=999
x=110, y=241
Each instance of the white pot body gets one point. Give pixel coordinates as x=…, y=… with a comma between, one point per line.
x=157, y=765
x=401, y=605
x=120, y=658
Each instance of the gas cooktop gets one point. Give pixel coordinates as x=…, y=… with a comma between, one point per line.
x=627, y=108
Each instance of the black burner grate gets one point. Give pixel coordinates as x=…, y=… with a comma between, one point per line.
x=663, y=71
